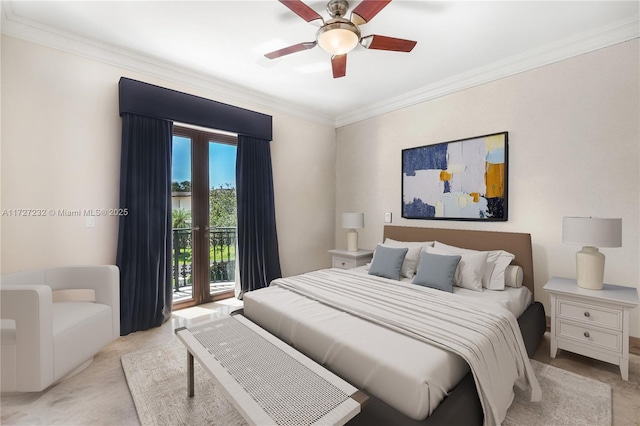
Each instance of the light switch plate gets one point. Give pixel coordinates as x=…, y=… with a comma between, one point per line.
x=387, y=217
x=90, y=221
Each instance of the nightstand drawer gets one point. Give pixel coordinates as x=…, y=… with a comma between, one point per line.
x=593, y=323
x=341, y=263
x=595, y=338
x=590, y=314
x=345, y=259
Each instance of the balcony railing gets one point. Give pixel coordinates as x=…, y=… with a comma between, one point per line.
x=222, y=256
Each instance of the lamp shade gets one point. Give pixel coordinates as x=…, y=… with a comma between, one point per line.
x=353, y=220
x=592, y=232
x=338, y=36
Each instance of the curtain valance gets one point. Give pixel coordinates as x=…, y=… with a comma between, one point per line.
x=148, y=100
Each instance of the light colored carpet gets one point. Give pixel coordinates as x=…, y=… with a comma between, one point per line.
x=157, y=380
x=567, y=399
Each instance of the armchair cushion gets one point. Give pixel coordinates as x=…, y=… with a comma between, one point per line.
x=43, y=341
x=74, y=295
x=74, y=322
x=8, y=332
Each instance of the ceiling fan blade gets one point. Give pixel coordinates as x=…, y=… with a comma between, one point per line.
x=366, y=10
x=291, y=49
x=303, y=11
x=339, y=65
x=388, y=43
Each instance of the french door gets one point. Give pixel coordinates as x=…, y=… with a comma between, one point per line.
x=203, y=200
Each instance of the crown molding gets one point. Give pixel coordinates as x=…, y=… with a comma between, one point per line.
x=16, y=26
x=25, y=29
x=618, y=32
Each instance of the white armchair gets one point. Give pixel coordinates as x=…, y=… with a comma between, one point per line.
x=54, y=321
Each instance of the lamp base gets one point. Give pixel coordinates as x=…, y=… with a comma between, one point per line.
x=352, y=240
x=590, y=268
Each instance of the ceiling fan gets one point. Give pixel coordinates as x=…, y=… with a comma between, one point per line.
x=338, y=36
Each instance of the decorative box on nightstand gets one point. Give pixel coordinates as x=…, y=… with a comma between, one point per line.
x=344, y=259
x=593, y=323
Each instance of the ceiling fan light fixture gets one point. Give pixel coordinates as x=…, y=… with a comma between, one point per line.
x=338, y=37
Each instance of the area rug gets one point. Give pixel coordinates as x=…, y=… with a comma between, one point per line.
x=567, y=399
x=157, y=380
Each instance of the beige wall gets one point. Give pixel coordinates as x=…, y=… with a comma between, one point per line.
x=574, y=142
x=574, y=150
x=61, y=150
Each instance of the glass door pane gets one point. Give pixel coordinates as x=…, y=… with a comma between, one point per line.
x=182, y=227
x=222, y=217
x=203, y=199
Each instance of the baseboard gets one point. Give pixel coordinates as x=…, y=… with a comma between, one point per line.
x=548, y=318
x=634, y=342
x=634, y=345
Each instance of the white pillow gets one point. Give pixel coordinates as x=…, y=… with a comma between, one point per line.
x=497, y=261
x=410, y=243
x=470, y=268
x=498, y=275
x=410, y=264
x=513, y=276
x=488, y=270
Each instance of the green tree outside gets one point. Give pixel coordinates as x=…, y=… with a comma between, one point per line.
x=184, y=186
x=222, y=206
x=222, y=213
x=181, y=218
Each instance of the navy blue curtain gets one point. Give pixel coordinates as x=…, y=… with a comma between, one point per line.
x=144, y=236
x=258, y=257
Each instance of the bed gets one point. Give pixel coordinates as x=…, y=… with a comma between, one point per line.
x=322, y=332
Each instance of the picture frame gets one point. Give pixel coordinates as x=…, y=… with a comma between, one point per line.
x=465, y=179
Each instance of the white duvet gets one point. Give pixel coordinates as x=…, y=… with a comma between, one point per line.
x=411, y=376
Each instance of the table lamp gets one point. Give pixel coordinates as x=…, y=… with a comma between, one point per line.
x=591, y=233
x=352, y=221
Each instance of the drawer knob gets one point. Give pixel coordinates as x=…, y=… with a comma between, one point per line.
x=343, y=263
x=587, y=314
x=586, y=334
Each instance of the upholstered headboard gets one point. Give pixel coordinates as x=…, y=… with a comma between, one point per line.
x=516, y=243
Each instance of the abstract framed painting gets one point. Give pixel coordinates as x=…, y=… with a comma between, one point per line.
x=464, y=179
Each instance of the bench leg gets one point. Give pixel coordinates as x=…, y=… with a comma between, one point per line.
x=190, y=389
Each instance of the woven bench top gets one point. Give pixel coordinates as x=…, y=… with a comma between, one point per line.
x=266, y=380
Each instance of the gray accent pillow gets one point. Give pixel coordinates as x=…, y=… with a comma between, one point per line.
x=387, y=262
x=437, y=271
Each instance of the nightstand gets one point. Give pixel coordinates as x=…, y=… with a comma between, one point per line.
x=344, y=259
x=593, y=323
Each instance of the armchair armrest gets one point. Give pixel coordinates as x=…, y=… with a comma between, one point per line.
x=30, y=307
x=103, y=279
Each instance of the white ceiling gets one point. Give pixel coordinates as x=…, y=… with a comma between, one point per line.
x=460, y=44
